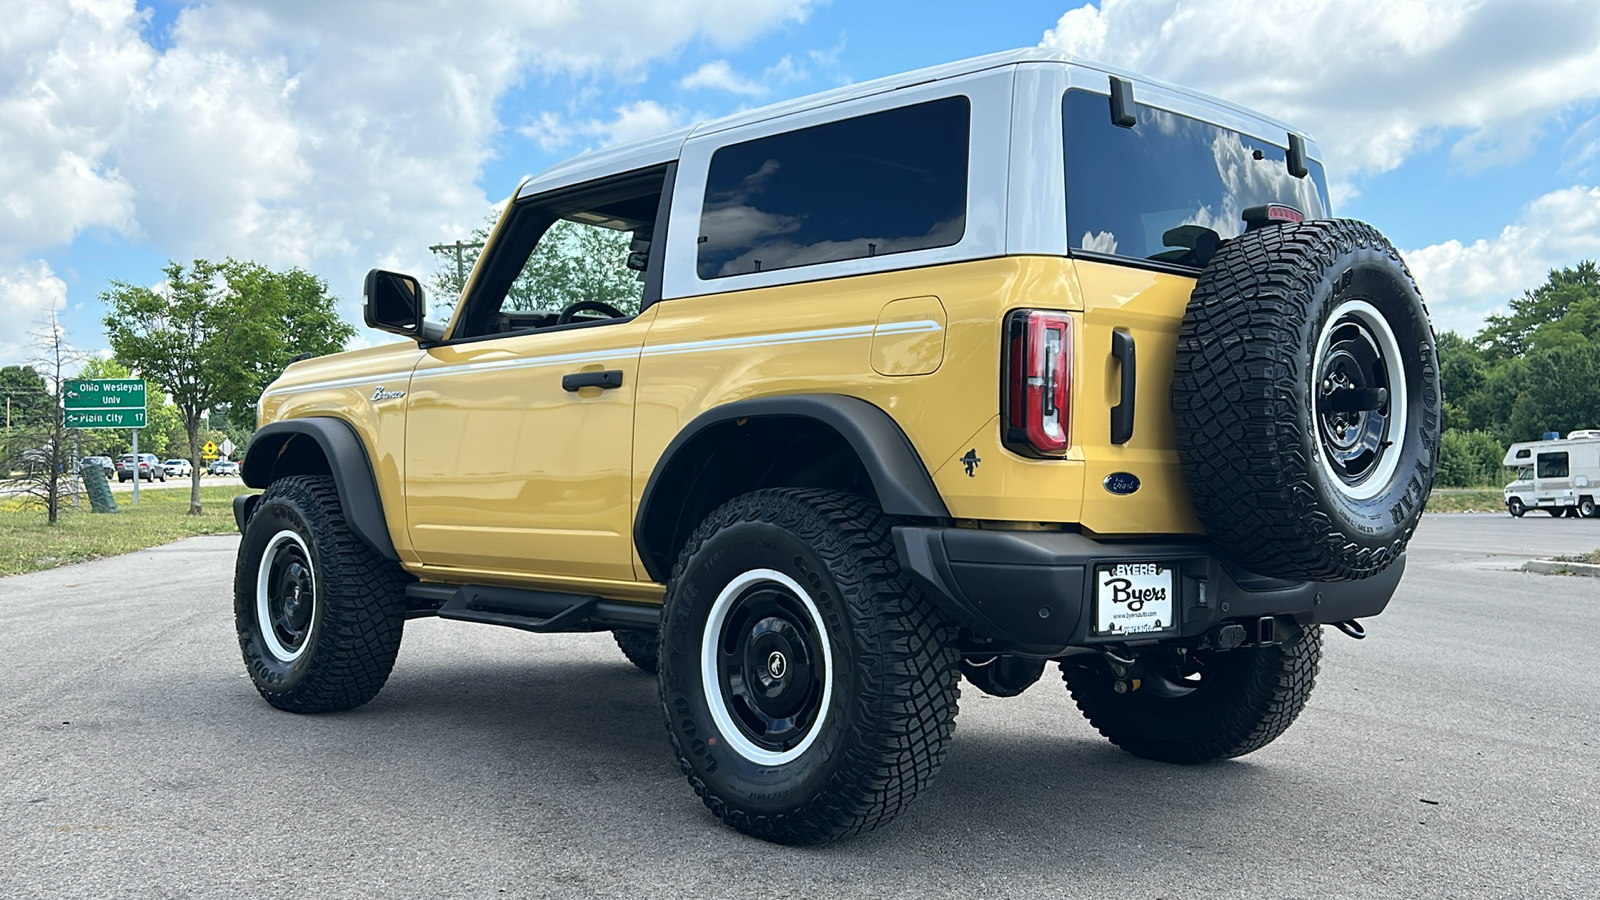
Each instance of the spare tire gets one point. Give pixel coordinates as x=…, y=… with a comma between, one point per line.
x=1306, y=400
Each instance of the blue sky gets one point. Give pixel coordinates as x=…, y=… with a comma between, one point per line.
x=342, y=136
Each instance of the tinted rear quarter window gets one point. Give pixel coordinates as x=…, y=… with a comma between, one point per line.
x=872, y=185
x=1152, y=191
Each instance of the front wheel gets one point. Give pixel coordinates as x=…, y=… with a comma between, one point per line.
x=809, y=690
x=1586, y=508
x=319, y=613
x=1202, y=705
x=1515, y=507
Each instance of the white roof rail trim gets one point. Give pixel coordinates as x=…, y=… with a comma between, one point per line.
x=664, y=148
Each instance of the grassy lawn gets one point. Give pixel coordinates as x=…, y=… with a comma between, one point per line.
x=1467, y=500
x=28, y=543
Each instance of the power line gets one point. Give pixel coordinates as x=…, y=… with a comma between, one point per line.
x=458, y=248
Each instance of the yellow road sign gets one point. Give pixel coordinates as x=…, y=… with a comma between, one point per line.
x=209, y=451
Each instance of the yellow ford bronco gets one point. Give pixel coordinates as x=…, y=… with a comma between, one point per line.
x=1006, y=362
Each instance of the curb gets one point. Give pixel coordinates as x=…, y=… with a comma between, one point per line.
x=1557, y=567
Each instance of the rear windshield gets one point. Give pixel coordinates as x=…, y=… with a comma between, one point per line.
x=1157, y=190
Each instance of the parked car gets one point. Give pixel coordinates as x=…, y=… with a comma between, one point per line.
x=149, y=467
x=223, y=467
x=103, y=462
x=177, y=468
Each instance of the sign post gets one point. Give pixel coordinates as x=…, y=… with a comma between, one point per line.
x=107, y=403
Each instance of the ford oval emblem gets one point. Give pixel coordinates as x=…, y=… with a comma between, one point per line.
x=1122, y=483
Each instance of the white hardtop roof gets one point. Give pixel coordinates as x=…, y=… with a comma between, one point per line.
x=664, y=148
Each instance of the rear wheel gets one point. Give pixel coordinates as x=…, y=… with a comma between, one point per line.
x=1586, y=508
x=809, y=690
x=642, y=648
x=1202, y=706
x=319, y=612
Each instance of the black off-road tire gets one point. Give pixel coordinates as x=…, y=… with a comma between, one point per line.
x=876, y=737
x=642, y=648
x=339, y=655
x=1247, y=698
x=1278, y=324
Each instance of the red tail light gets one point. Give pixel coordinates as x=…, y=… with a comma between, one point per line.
x=1037, y=398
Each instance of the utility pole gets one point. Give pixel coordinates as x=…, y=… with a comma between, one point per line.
x=458, y=248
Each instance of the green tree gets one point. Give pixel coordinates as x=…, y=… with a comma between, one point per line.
x=571, y=262
x=1533, y=369
x=217, y=333
x=1470, y=459
x=41, y=446
x=23, y=393
x=1561, y=390
x=1562, y=312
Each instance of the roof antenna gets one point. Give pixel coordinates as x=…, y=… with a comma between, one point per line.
x=1122, y=103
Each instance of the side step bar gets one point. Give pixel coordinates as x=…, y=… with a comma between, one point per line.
x=540, y=611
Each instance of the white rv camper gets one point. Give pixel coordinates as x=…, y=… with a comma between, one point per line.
x=1561, y=477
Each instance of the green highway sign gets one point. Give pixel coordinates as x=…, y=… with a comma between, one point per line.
x=104, y=393
x=104, y=403
x=104, y=418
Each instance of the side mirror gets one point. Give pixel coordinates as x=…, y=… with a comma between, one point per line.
x=393, y=303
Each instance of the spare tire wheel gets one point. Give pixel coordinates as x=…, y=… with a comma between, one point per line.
x=1306, y=399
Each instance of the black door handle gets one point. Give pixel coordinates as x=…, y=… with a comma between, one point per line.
x=605, y=381
x=1122, y=413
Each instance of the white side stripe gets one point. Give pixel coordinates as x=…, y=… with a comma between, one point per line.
x=754, y=340
x=355, y=381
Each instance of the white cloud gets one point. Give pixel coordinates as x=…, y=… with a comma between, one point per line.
x=301, y=132
x=28, y=292
x=67, y=73
x=642, y=119
x=1464, y=283
x=1581, y=150
x=718, y=75
x=1374, y=82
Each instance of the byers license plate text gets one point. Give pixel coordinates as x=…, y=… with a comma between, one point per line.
x=1133, y=598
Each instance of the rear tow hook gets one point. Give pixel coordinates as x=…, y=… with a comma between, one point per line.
x=1352, y=628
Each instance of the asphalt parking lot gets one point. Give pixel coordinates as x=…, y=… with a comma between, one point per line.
x=1452, y=754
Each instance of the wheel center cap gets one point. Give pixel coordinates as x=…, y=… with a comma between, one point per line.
x=777, y=665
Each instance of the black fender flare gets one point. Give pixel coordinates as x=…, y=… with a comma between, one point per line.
x=897, y=473
x=347, y=461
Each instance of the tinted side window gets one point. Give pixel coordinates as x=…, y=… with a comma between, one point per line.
x=1552, y=465
x=1170, y=183
x=882, y=183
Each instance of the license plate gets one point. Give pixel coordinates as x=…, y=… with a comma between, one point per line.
x=1133, y=598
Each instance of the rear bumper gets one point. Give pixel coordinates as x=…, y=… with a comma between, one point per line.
x=1032, y=592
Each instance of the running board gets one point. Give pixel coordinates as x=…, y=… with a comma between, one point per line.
x=544, y=612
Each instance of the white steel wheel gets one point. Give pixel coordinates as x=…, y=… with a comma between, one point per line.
x=766, y=665
x=286, y=596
